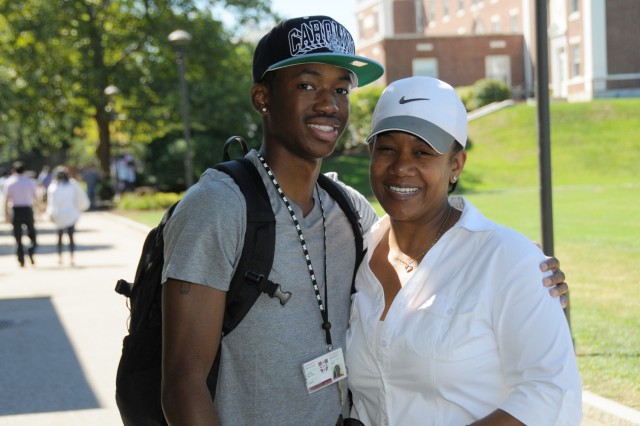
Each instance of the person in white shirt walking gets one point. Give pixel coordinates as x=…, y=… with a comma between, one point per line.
x=65, y=202
x=449, y=325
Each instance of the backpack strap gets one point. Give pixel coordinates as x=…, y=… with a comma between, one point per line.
x=343, y=200
x=251, y=275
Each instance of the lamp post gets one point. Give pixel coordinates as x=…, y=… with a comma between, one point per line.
x=179, y=39
x=110, y=91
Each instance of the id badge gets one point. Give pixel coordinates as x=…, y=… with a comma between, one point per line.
x=325, y=370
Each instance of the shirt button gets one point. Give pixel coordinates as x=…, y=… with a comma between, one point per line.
x=450, y=311
x=383, y=343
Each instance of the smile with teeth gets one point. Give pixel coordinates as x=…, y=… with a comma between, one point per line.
x=323, y=128
x=401, y=190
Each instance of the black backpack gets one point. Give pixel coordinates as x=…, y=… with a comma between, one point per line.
x=138, y=377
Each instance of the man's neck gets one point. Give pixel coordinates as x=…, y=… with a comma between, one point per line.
x=297, y=177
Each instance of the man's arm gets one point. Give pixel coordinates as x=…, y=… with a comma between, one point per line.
x=555, y=282
x=192, y=317
x=498, y=418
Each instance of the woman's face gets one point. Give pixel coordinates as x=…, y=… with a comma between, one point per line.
x=409, y=178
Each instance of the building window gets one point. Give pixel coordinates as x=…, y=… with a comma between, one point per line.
x=419, y=16
x=495, y=24
x=498, y=67
x=515, y=23
x=460, y=5
x=432, y=10
x=576, y=60
x=445, y=8
x=425, y=67
x=573, y=6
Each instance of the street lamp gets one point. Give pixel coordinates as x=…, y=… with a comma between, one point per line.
x=107, y=192
x=179, y=39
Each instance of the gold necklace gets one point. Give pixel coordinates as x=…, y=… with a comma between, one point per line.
x=408, y=266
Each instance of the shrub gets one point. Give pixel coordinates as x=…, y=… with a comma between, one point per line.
x=488, y=91
x=363, y=101
x=147, y=201
x=466, y=95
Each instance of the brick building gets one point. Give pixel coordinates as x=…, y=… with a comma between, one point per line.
x=592, y=43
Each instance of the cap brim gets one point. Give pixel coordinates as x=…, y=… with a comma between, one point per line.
x=366, y=70
x=433, y=135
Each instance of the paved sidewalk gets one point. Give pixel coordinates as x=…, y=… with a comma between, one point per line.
x=61, y=329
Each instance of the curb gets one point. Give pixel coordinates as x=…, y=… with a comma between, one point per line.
x=608, y=412
x=130, y=223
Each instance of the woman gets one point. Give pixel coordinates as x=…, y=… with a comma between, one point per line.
x=473, y=339
x=65, y=201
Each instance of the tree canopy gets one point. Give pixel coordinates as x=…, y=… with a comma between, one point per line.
x=60, y=56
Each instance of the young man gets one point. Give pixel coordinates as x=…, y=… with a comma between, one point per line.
x=303, y=71
x=21, y=196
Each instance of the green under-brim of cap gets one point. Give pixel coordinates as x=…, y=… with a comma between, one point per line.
x=366, y=70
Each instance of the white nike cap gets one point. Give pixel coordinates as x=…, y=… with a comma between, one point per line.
x=425, y=107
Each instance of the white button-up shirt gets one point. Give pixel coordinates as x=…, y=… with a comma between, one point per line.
x=473, y=330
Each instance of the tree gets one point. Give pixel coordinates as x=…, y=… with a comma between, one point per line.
x=58, y=57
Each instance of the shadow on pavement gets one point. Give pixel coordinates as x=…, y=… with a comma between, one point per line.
x=10, y=248
x=33, y=339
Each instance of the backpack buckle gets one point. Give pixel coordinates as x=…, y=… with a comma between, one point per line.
x=266, y=286
x=124, y=287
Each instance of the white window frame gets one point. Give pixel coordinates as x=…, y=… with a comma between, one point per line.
x=498, y=67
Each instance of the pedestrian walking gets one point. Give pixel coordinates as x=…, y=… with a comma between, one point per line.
x=21, y=197
x=66, y=201
x=91, y=177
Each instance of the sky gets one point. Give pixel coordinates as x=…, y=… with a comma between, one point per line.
x=342, y=11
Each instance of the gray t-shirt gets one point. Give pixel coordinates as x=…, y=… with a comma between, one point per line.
x=261, y=379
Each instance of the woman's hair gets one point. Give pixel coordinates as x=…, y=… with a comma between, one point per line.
x=455, y=149
x=62, y=174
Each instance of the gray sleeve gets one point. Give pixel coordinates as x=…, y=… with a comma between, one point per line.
x=204, y=237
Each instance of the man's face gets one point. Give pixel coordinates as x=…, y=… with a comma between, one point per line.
x=309, y=108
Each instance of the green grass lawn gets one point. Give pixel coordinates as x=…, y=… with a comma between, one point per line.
x=596, y=207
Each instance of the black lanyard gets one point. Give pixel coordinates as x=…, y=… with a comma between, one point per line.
x=324, y=309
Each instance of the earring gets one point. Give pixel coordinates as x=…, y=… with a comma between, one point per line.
x=455, y=179
x=264, y=108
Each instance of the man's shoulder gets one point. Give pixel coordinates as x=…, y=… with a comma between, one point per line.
x=214, y=198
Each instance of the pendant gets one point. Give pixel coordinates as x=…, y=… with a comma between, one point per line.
x=408, y=268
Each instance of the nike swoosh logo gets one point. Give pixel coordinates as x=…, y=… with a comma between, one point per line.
x=406, y=101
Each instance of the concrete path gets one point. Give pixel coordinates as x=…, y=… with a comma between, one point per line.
x=61, y=329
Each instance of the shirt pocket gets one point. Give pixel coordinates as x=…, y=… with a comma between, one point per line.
x=445, y=329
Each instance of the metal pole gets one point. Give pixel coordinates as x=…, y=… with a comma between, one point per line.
x=544, y=134
x=184, y=104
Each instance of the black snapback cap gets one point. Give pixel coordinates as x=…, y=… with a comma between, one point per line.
x=312, y=39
